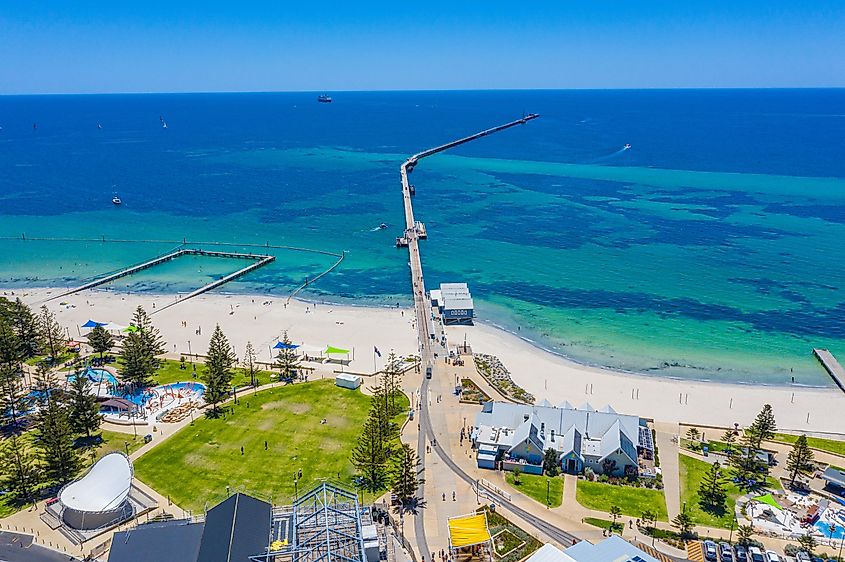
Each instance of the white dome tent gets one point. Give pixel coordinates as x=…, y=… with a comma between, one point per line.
x=100, y=497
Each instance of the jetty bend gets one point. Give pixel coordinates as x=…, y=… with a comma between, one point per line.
x=414, y=231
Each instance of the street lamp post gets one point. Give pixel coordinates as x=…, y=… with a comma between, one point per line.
x=548, y=493
x=731, y=536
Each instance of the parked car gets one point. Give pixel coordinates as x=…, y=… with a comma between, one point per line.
x=756, y=554
x=802, y=556
x=741, y=553
x=726, y=553
x=772, y=556
x=710, y=551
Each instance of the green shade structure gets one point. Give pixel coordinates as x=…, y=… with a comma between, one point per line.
x=768, y=499
x=331, y=350
x=130, y=329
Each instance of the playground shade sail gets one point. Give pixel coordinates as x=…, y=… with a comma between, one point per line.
x=283, y=345
x=331, y=350
x=768, y=499
x=468, y=530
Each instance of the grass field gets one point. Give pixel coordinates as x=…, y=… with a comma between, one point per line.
x=691, y=473
x=171, y=371
x=617, y=527
x=829, y=445
x=195, y=466
x=632, y=501
x=536, y=487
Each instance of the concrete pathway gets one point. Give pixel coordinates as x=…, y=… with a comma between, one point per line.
x=669, y=465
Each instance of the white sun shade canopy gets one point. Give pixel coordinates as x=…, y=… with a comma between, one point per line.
x=103, y=488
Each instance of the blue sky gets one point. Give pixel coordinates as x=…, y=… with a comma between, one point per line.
x=53, y=46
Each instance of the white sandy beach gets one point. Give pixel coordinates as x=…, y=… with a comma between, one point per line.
x=262, y=320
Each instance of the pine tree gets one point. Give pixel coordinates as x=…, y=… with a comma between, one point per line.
x=153, y=342
x=137, y=362
x=764, y=424
x=684, y=524
x=551, y=462
x=405, y=474
x=25, y=326
x=10, y=354
x=100, y=340
x=12, y=400
x=251, y=363
x=45, y=380
x=56, y=444
x=218, y=369
x=711, y=492
x=729, y=438
x=84, y=410
x=392, y=382
x=287, y=360
x=808, y=543
x=51, y=333
x=744, y=534
x=369, y=457
x=19, y=472
x=800, y=459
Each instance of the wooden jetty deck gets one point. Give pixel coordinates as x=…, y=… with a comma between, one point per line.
x=415, y=230
x=422, y=305
x=260, y=260
x=832, y=366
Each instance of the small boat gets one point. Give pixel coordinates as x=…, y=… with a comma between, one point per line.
x=116, y=200
x=324, y=98
x=99, y=126
x=382, y=226
x=164, y=124
x=626, y=147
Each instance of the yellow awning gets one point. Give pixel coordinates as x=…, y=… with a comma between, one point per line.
x=468, y=530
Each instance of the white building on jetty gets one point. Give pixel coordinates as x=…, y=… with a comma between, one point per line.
x=517, y=435
x=454, y=302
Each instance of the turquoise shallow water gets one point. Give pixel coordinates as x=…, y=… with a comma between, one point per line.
x=712, y=249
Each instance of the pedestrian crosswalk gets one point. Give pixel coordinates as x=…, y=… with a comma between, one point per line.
x=695, y=552
x=653, y=552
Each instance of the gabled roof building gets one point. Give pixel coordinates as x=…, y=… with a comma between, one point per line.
x=517, y=435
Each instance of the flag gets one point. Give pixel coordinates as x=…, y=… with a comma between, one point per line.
x=376, y=351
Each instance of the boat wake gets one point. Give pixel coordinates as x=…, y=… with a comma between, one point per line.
x=610, y=156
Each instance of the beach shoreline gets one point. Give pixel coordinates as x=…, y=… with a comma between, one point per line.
x=364, y=328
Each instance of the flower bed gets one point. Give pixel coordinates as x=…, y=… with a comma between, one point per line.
x=500, y=378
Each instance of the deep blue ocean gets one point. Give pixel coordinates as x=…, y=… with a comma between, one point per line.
x=712, y=248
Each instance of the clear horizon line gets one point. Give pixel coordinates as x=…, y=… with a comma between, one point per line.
x=412, y=90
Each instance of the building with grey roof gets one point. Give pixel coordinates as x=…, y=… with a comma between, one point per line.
x=517, y=435
x=454, y=302
x=613, y=549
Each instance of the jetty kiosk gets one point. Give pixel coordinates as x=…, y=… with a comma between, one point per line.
x=454, y=302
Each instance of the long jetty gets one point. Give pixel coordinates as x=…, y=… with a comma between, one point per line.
x=833, y=367
x=260, y=260
x=414, y=231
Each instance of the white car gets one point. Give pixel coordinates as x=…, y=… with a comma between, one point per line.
x=772, y=556
x=755, y=555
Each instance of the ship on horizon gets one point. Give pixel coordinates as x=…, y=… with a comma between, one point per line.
x=323, y=98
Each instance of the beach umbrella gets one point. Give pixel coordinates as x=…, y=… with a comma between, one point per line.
x=283, y=345
x=93, y=324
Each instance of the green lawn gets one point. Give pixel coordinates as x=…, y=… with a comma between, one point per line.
x=539, y=487
x=171, y=371
x=632, y=501
x=691, y=473
x=195, y=466
x=829, y=445
x=617, y=527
